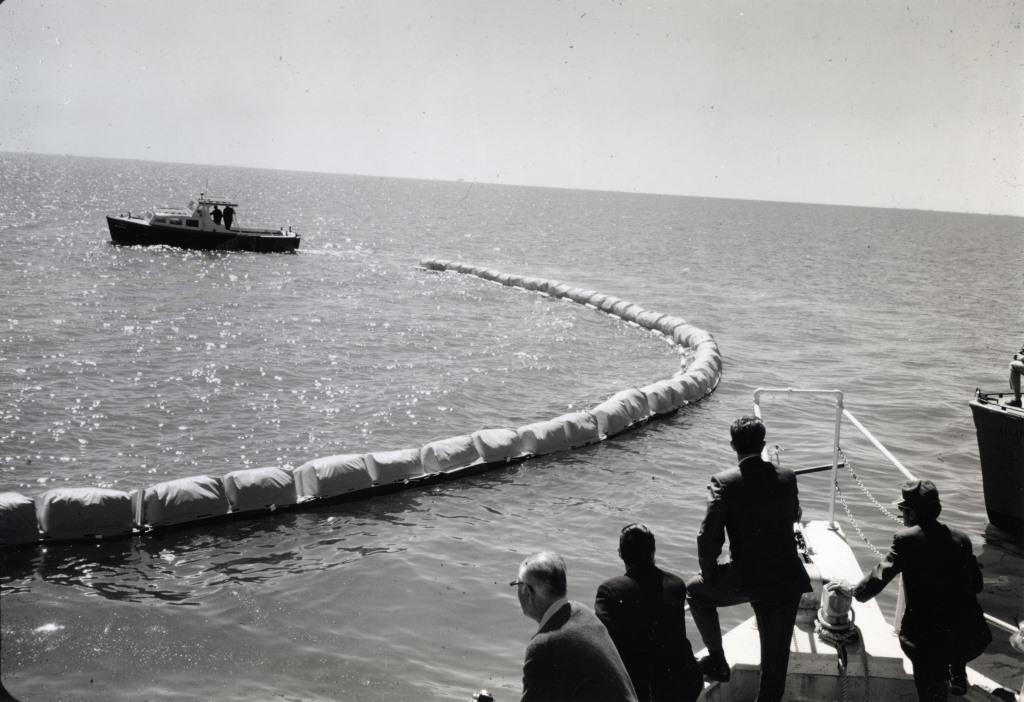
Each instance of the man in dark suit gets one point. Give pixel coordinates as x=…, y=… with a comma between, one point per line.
x=571, y=658
x=943, y=626
x=645, y=613
x=755, y=504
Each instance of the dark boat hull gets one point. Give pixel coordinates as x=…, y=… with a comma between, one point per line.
x=132, y=232
x=1000, y=430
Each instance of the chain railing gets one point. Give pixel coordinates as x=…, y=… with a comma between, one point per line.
x=867, y=493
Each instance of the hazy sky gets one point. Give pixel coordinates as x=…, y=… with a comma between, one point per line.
x=868, y=102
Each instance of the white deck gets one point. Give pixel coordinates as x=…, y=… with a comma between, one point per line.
x=876, y=666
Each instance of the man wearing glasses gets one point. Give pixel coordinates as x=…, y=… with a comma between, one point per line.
x=571, y=658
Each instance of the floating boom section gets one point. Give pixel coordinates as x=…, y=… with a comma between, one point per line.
x=89, y=513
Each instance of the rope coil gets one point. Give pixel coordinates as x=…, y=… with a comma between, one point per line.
x=835, y=625
x=836, y=621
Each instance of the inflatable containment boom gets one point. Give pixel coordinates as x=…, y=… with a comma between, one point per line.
x=89, y=513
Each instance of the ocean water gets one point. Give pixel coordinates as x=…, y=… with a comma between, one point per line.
x=123, y=367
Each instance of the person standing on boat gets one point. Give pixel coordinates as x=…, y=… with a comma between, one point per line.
x=943, y=625
x=755, y=505
x=645, y=613
x=571, y=658
x=229, y=216
x=1016, y=372
x=216, y=214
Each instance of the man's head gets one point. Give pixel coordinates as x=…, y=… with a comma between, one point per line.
x=636, y=545
x=747, y=436
x=540, y=583
x=920, y=503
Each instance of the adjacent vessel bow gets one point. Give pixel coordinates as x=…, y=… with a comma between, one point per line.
x=202, y=225
x=999, y=421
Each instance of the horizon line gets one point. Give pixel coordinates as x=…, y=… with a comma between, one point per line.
x=514, y=185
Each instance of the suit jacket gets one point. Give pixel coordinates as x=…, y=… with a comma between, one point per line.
x=755, y=504
x=644, y=611
x=941, y=578
x=572, y=659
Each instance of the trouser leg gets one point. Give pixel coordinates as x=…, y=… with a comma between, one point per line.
x=775, y=621
x=705, y=595
x=930, y=678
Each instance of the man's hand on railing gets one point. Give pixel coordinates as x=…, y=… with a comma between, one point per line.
x=1017, y=639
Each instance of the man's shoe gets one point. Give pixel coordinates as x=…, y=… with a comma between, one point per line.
x=715, y=667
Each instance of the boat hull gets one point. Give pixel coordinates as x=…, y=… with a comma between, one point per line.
x=126, y=231
x=1000, y=430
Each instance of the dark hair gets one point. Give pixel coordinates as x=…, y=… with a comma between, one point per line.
x=747, y=435
x=547, y=571
x=636, y=544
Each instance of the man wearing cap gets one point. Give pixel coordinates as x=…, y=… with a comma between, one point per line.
x=645, y=612
x=943, y=626
x=571, y=658
x=755, y=505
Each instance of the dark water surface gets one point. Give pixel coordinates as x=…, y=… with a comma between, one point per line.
x=123, y=367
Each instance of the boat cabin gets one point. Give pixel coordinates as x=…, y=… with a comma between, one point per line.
x=198, y=215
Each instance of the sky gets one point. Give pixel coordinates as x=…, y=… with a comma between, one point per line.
x=885, y=103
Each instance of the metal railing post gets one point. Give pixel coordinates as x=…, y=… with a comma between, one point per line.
x=838, y=395
x=835, y=463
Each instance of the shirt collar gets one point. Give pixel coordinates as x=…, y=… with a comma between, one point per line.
x=555, y=606
x=743, y=459
x=641, y=568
